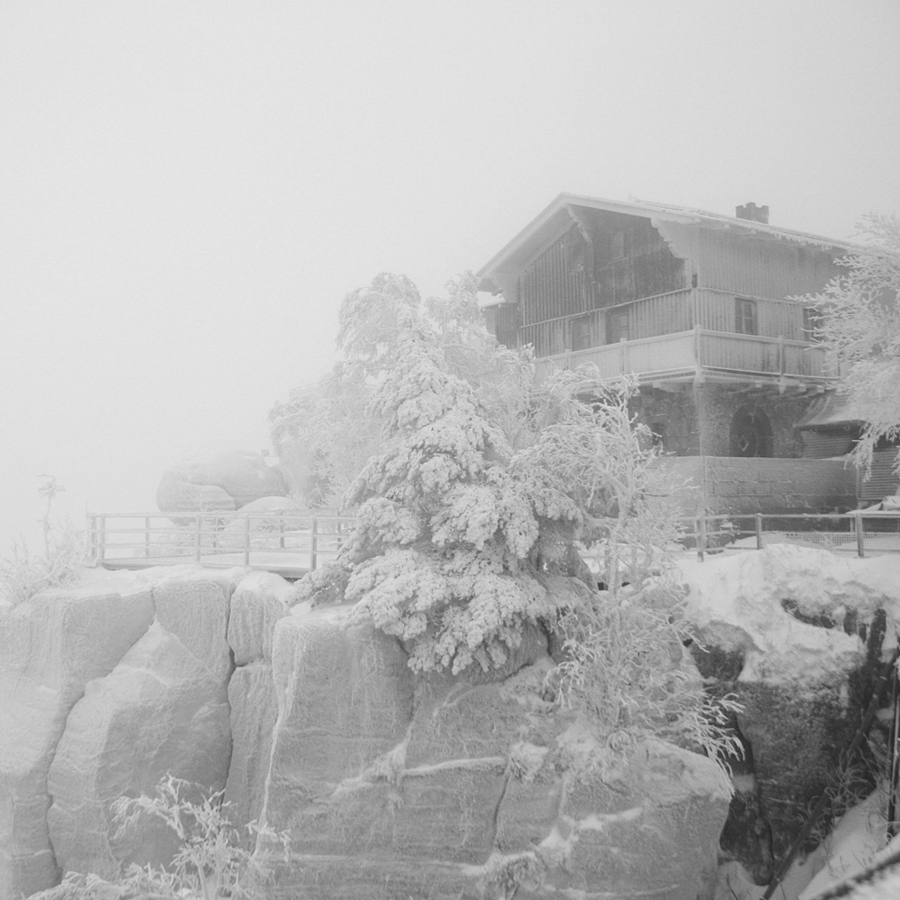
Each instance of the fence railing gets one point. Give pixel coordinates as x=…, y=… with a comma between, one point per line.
x=290, y=542
x=858, y=533
x=296, y=542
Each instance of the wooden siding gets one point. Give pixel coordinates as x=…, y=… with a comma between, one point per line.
x=574, y=275
x=754, y=266
x=882, y=482
x=555, y=284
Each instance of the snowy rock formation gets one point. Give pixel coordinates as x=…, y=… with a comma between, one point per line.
x=799, y=636
x=163, y=708
x=397, y=786
x=391, y=785
x=226, y=481
x=50, y=649
x=394, y=785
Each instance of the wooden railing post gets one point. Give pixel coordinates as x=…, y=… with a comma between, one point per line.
x=860, y=535
x=197, y=532
x=101, y=540
x=313, y=541
x=759, y=529
x=89, y=536
x=246, y=540
x=701, y=536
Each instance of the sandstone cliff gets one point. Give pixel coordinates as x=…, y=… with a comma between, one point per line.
x=391, y=785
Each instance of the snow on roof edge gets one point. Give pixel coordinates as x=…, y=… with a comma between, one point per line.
x=687, y=215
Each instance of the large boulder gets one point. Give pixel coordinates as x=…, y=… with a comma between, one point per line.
x=51, y=647
x=265, y=534
x=226, y=481
x=393, y=785
x=162, y=710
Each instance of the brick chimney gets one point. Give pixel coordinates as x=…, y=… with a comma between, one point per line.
x=752, y=212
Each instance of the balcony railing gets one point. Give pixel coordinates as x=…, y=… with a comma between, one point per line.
x=701, y=352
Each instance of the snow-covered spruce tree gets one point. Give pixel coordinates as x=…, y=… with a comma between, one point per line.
x=443, y=554
x=860, y=320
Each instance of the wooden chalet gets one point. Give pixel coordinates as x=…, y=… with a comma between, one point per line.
x=698, y=306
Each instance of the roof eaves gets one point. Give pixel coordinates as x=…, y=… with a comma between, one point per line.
x=657, y=211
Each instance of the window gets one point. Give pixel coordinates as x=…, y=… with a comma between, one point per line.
x=617, y=326
x=745, y=316
x=580, y=333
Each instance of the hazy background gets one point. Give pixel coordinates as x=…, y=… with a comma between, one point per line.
x=188, y=189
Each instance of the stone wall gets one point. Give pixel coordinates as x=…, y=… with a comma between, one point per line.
x=697, y=421
x=717, y=405
x=673, y=416
x=735, y=485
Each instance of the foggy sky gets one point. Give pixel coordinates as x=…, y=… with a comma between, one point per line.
x=187, y=190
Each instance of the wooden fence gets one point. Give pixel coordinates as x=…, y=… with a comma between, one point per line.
x=290, y=542
x=858, y=533
x=293, y=543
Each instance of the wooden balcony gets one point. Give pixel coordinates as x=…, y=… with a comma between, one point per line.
x=704, y=355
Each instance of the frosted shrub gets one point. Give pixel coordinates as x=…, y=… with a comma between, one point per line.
x=25, y=573
x=211, y=862
x=627, y=670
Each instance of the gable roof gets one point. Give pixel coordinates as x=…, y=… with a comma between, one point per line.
x=561, y=213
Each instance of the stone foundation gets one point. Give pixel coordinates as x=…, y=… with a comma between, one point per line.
x=737, y=486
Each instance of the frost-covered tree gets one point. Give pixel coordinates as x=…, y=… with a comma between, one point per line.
x=860, y=320
x=483, y=480
x=336, y=428
x=442, y=553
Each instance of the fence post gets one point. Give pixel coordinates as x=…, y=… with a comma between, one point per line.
x=759, y=524
x=246, y=540
x=147, y=537
x=197, y=531
x=860, y=537
x=701, y=536
x=89, y=536
x=313, y=541
x=101, y=540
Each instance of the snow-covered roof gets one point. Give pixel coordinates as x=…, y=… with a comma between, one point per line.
x=833, y=409
x=657, y=213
